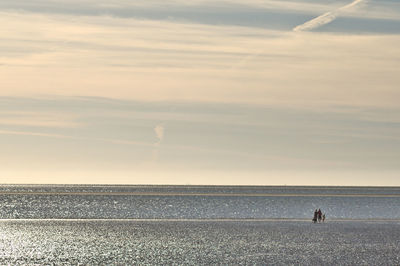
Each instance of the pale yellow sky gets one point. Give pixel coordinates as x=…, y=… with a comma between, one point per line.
x=174, y=61
x=170, y=92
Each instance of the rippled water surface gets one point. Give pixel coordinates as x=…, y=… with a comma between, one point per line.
x=199, y=242
x=188, y=202
x=186, y=225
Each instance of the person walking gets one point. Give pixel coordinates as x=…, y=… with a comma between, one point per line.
x=319, y=215
x=315, y=216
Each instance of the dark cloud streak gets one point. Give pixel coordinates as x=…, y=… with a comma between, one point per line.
x=232, y=14
x=236, y=15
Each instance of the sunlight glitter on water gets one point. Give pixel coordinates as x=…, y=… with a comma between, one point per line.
x=200, y=243
x=180, y=202
x=94, y=225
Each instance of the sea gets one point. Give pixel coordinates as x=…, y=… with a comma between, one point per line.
x=198, y=225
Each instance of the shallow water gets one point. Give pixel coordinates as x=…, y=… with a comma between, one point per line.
x=198, y=242
x=188, y=202
x=186, y=225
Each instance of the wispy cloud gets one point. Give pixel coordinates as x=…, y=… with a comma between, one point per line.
x=88, y=55
x=38, y=119
x=63, y=136
x=193, y=62
x=169, y=84
x=35, y=134
x=258, y=138
x=196, y=11
x=326, y=17
x=159, y=130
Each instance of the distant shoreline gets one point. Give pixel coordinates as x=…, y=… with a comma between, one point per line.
x=311, y=187
x=167, y=194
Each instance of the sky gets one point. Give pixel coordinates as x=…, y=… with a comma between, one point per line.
x=223, y=92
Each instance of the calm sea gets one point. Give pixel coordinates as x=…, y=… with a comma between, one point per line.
x=198, y=225
x=196, y=202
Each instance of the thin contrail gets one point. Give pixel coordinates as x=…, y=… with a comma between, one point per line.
x=325, y=18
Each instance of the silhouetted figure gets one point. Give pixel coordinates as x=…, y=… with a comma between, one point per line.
x=319, y=213
x=315, y=216
x=323, y=218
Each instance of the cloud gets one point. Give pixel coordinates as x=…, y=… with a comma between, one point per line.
x=326, y=18
x=195, y=11
x=137, y=60
x=159, y=130
x=36, y=134
x=87, y=139
x=343, y=138
x=38, y=119
x=117, y=58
